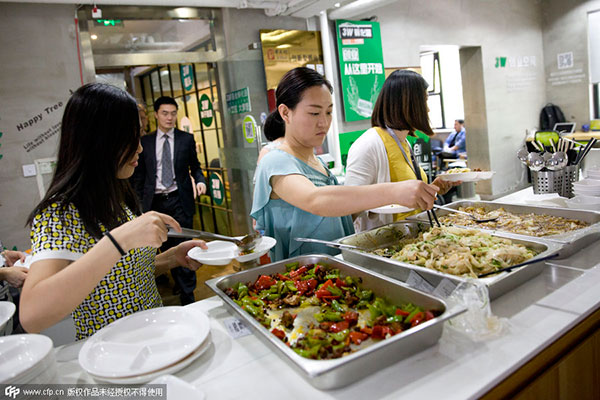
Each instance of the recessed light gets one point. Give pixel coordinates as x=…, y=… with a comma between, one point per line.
x=94, y=37
x=337, y=5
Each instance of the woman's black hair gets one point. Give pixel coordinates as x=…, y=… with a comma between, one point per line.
x=289, y=92
x=402, y=103
x=100, y=133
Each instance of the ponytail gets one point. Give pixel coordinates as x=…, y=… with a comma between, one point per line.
x=274, y=126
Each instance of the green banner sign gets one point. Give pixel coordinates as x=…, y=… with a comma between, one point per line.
x=217, y=190
x=187, y=77
x=361, y=66
x=238, y=101
x=206, y=111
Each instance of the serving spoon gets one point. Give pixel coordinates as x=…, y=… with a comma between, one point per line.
x=246, y=243
x=474, y=218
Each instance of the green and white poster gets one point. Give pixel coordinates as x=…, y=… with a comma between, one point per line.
x=361, y=66
x=187, y=77
x=206, y=110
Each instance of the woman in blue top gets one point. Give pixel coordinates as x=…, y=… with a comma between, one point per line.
x=295, y=194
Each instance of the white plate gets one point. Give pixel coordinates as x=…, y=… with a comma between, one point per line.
x=587, y=183
x=262, y=247
x=21, y=353
x=472, y=176
x=391, y=209
x=219, y=253
x=171, y=369
x=144, y=342
x=7, y=310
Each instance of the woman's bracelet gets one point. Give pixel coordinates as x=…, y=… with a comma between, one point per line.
x=114, y=241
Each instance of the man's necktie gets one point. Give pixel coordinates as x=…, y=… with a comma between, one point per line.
x=167, y=164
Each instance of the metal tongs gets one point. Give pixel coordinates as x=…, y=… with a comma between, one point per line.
x=246, y=243
x=474, y=218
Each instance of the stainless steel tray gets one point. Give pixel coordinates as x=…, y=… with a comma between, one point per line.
x=591, y=217
x=330, y=374
x=390, y=235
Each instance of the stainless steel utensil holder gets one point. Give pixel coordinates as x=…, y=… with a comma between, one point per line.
x=560, y=181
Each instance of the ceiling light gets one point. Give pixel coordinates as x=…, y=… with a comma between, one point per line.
x=337, y=5
x=94, y=36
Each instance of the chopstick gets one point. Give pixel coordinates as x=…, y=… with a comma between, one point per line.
x=508, y=269
x=586, y=149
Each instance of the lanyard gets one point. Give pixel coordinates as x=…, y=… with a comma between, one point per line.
x=412, y=163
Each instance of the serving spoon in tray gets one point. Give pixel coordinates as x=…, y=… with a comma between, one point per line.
x=474, y=218
x=331, y=244
x=246, y=243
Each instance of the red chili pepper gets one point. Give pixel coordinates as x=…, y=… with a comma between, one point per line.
x=340, y=283
x=351, y=317
x=283, y=277
x=417, y=319
x=298, y=272
x=306, y=286
x=380, y=332
x=279, y=333
x=358, y=337
x=339, y=326
x=402, y=312
x=264, y=282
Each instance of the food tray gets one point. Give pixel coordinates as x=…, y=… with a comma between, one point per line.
x=388, y=235
x=330, y=374
x=591, y=217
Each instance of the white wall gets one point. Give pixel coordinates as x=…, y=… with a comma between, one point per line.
x=514, y=95
x=565, y=28
x=39, y=67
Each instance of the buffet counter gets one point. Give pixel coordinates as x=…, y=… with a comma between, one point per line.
x=548, y=317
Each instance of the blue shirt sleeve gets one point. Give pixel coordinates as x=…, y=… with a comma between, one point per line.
x=461, y=141
x=274, y=163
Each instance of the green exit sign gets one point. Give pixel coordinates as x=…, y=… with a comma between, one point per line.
x=109, y=22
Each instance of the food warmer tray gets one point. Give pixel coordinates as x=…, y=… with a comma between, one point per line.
x=388, y=235
x=591, y=217
x=330, y=374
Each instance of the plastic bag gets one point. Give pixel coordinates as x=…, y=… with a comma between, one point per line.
x=477, y=322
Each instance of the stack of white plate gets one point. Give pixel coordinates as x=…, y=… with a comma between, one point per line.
x=145, y=345
x=27, y=358
x=587, y=187
x=581, y=202
x=593, y=173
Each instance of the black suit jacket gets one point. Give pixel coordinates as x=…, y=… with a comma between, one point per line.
x=185, y=161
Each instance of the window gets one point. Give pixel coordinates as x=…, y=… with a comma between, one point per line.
x=430, y=64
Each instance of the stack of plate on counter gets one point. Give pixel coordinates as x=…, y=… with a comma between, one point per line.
x=27, y=358
x=587, y=187
x=145, y=345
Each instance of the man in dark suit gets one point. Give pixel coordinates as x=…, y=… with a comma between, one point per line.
x=163, y=180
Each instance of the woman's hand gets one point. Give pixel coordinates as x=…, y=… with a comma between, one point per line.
x=15, y=276
x=12, y=256
x=149, y=229
x=415, y=194
x=181, y=256
x=444, y=186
